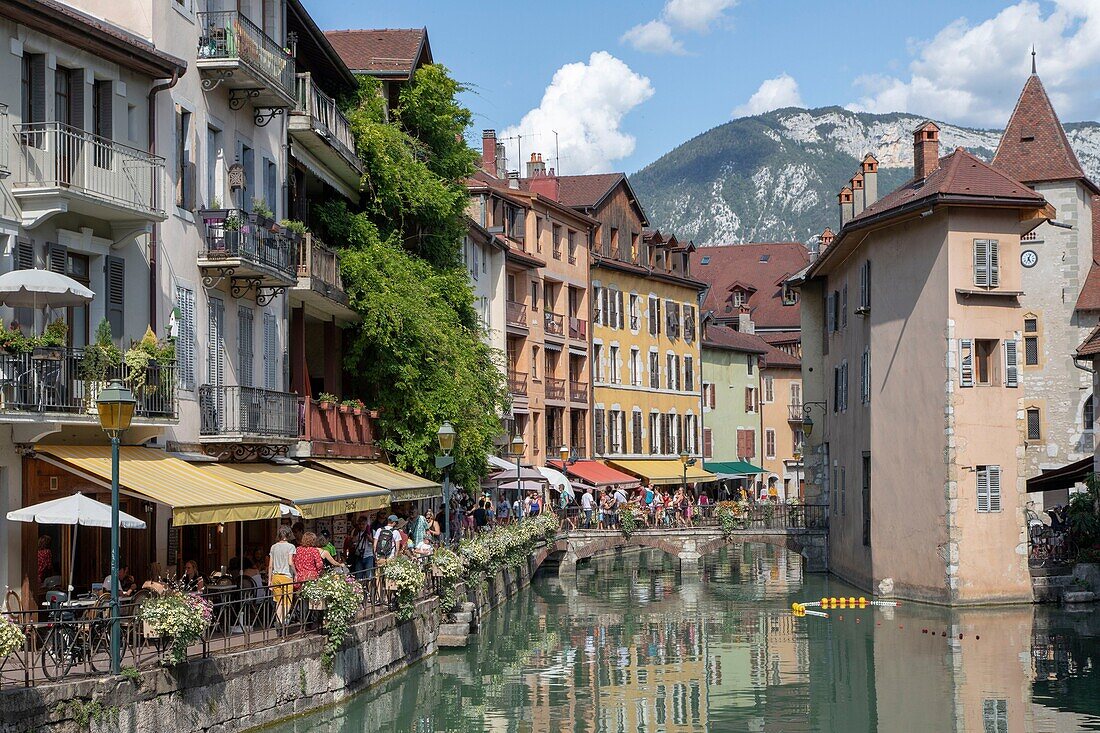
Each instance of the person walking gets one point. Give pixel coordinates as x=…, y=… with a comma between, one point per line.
x=280, y=573
x=588, y=504
x=385, y=548
x=363, y=566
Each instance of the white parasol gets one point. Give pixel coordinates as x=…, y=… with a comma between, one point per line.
x=35, y=288
x=558, y=481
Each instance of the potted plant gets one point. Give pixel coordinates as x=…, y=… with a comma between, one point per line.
x=181, y=617
x=51, y=343
x=349, y=406
x=294, y=230
x=100, y=360
x=144, y=364
x=13, y=341
x=231, y=231
x=262, y=213
x=327, y=400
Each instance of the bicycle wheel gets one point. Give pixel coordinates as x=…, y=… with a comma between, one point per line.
x=57, y=652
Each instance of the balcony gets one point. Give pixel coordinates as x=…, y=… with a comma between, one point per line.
x=59, y=169
x=54, y=384
x=236, y=52
x=795, y=413
x=515, y=314
x=517, y=383
x=337, y=432
x=578, y=392
x=251, y=253
x=578, y=329
x=555, y=389
x=554, y=324
x=318, y=125
x=320, y=286
x=233, y=414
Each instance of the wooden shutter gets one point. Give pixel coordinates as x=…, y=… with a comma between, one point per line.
x=657, y=316
x=966, y=363
x=637, y=432
x=994, y=488
x=712, y=397
x=844, y=385
x=750, y=443
x=981, y=263
x=983, y=488
x=708, y=444
x=116, y=294
x=665, y=434
x=24, y=254
x=104, y=103
x=654, y=433
x=598, y=431
x=836, y=388
x=619, y=308
x=994, y=264
x=57, y=257
x=622, y=432
x=748, y=399
x=1012, y=367
x=37, y=69
x=830, y=323
x=864, y=284
x=844, y=306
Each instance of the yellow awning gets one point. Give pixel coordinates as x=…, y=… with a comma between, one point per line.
x=315, y=493
x=663, y=472
x=196, y=497
x=402, y=485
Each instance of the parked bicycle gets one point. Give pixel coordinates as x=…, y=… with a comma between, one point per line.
x=70, y=640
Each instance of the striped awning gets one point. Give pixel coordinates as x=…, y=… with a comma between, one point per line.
x=196, y=497
x=315, y=493
x=662, y=472
x=402, y=485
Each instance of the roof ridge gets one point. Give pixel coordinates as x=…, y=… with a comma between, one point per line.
x=1050, y=155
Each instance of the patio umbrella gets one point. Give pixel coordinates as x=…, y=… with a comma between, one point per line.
x=525, y=474
x=75, y=510
x=522, y=486
x=34, y=288
x=558, y=481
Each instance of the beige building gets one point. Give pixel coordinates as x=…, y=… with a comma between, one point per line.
x=913, y=378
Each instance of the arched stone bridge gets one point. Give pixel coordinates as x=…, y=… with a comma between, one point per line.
x=688, y=544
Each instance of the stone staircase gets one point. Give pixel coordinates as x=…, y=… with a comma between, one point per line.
x=1050, y=588
x=457, y=633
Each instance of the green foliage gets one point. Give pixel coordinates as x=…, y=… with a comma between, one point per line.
x=1083, y=514
x=293, y=225
x=100, y=357
x=133, y=674
x=327, y=397
x=85, y=713
x=261, y=209
x=55, y=334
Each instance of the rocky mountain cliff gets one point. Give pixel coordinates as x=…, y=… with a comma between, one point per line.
x=774, y=177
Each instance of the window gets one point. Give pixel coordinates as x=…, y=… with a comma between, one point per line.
x=247, y=158
x=746, y=444
x=986, y=263
x=614, y=430
x=844, y=306
x=864, y=288
x=538, y=233
x=597, y=362
x=615, y=308
x=534, y=362
x=708, y=444
x=534, y=295
x=689, y=323
x=840, y=387
x=635, y=367
x=271, y=352
x=614, y=251
x=244, y=345
x=599, y=303
x=213, y=167
x=634, y=317
x=866, y=499
x=750, y=399
x=599, y=425
x=572, y=236
x=34, y=88
x=636, y=432
x=215, y=344
x=185, y=170
x=789, y=295
x=654, y=433
x=654, y=316
x=672, y=319
x=796, y=394
x=654, y=370
x=1031, y=341
x=1034, y=423
x=555, y=232
x=1088, y=413
x=865, y=377
x=1012, y=368
x=989, y=489
x=116, y=294
x=103, y=96
x=985, y=351
x=676, y=438
x=798, y=442
x=769, y=444
x=633, y=247
x=995, y=716
x=185, y=337
x=769, y=389
x=689, y=374
x=613, y=364
x=739, y=298
x=691, y=431
x=750, y=362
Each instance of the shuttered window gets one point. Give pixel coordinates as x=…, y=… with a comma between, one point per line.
x=830, y=324
x=1034, y=424
x=708, y=444
x=746, y=444
x=769, y=443
x=103, y=97
x=987, y=269
x=1012, y=366
x=865, y=287
x=653, y=314
x=57, y=256
x=654, y=433
x=750, y=399
x=989, y=489
x=636, y=432
x=966, y=363
x=865, y=377
x=654, y=370
x=689, y=374
x=666, y=434
x=769, y=389
x=245, y=340
x=271, y=348
x=24, y=254
x=185, y=338
x=599, y=425
x=116, y=294
x=597, y=305
x=215, y=344
x=844, y=306
x=1031, y=341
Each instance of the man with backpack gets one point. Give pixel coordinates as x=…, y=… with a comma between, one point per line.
x=386, y=539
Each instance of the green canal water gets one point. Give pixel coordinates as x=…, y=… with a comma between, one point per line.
x=633, y=644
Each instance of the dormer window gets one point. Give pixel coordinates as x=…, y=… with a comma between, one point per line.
x=740, y=297
x=789, y=297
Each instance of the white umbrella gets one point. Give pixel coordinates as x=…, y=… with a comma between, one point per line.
x=34, y=288
x=522, y=486
x=498, y=462
x=75, y=510
x=558, y=481
x=525, y=474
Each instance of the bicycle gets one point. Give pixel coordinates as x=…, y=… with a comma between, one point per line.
x=70, y=642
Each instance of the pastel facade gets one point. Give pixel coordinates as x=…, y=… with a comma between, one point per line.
x=731, y=388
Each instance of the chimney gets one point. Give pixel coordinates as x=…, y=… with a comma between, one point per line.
x=869, y=169
x=926, y=150
x=744, y=321
x=513, y=179
x=825, y=240
x=544, y=184
x=489, y=151
x=502, y=162
x=535, y=166
x=845, y=199
x=858, y=201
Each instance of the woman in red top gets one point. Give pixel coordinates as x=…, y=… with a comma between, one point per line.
x=310, y=559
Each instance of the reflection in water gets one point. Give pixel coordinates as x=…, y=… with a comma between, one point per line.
x=633, y=644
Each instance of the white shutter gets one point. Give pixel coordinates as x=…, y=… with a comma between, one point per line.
x=981, y=263
x=994, y=488
x=215, y=348
x=245, y=346
x=185, y=338
x=994, y=264
x=983, y=488
x=271, y=345
x=966, y=363
x=1012, y=368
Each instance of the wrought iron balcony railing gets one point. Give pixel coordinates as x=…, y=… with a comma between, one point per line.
x=234, y=413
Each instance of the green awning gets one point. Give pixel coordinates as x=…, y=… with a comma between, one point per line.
x=732, y=468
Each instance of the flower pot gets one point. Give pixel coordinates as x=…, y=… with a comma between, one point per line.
x=345, y=409
x=325, y=405
x=149, y=631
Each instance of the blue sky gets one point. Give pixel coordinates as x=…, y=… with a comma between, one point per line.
x=635, y=79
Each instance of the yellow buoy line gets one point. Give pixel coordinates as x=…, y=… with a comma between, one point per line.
x=806, y=609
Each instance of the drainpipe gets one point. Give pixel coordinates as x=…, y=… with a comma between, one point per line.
x=153, y=287
x=1090, y=370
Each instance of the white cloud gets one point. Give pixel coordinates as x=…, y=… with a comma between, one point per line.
x=971, y=74
x=696, y=15
x=653, y=37
x=585, y=104
x=782, y=91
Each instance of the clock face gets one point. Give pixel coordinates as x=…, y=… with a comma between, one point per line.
x=1028, y=258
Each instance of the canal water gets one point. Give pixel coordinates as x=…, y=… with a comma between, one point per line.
x=633, y=644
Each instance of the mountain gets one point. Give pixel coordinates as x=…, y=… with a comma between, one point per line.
x=775, y=176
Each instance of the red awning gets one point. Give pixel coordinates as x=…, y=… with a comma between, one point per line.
x=596, y=473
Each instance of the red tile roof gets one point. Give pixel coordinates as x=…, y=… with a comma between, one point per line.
x=587, y=191
x=1034, y=146
x=722, y=265
x=1091, y=345
x=382, y=52
x=724, y=337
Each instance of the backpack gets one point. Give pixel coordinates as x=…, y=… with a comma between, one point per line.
x=385, y=543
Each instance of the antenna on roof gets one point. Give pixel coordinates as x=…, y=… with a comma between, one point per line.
x=557, y=156
x=1033, y=58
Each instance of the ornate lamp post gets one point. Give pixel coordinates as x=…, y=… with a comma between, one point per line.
x=446, y=436
x=115, y=405
x=686, y=460
x=517, y=447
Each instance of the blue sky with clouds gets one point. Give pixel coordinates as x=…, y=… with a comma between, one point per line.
x=624, y=82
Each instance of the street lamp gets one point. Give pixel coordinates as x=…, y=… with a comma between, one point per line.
x=517, y=447
x=446, y=436
x=115, y=405
x=807, y=421
x=687, y=461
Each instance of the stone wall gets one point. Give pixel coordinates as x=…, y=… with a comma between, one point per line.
x=242, y=690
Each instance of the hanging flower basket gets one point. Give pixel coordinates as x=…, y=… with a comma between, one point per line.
x=149, y=631
x=317, y=604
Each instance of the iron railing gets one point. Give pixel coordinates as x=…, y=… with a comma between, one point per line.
x=515, y=314
x=748, y=519
x=578, y=328
x=517, y=383
x=326, y=116
x=229, y=411
x=321, y=266
x=578, y=392
x=555, y=390
x=233, y=234
x=228, y=35
x=55, y=155
x=57, y=379
x=554, y=323
x=795, y=413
